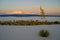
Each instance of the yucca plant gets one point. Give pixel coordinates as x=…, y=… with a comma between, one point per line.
x=44, y=33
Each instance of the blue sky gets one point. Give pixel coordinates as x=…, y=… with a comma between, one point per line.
x=50, y=6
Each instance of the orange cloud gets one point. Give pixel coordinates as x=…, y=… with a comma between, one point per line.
x=15, y=12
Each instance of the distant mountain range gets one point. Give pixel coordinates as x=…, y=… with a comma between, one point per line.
x=26, y=15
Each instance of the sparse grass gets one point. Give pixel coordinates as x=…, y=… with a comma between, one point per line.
x=23, y=22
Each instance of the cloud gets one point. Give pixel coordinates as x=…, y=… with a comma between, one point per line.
x=15, y=12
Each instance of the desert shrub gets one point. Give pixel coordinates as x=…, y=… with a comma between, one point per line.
x=56, y=22
x=44, y=33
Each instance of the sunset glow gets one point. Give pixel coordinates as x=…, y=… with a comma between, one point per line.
x=29, y=6
x=15, y=12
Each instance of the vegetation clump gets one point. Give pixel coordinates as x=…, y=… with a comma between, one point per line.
x=44, y=33
x=26, y=22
